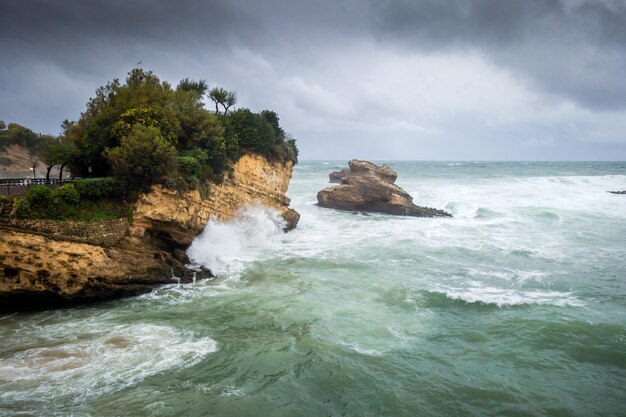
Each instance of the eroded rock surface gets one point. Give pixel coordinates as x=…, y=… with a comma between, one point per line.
x=337, y=176
x=43, y=268
x=371, y=188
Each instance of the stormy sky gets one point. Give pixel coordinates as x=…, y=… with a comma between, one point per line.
x=376, y=79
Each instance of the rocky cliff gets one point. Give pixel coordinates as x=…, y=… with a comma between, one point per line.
x=42, y=266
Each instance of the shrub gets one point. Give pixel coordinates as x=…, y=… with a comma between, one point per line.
x=254, y=131
x=42, y=203
x=145, y=116
x=22, y=208
x=39, y=195
x=143, y=158
x=98, y=188
x=188, y=166
x=205, y=190
x=66, y=195
x=193, y=181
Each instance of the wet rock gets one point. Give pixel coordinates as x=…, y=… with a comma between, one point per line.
x=368, y=187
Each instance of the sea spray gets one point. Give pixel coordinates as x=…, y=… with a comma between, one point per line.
x=224, y=247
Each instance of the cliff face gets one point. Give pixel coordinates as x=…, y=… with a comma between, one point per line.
x=40, y=266
x=183, y=217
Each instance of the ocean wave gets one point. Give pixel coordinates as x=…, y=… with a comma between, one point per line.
x=483, y=213
x=498, y=297
x=225, y=247
x=95, y=361
x=509, y=275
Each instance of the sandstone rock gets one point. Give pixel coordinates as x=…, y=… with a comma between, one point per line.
x=43, y=267
x=371, y=188
x=337, y=176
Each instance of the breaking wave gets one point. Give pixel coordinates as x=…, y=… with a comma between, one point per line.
x=225, y=247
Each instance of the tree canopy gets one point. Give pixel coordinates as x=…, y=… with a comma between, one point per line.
x=224, y=98
x=144, y=131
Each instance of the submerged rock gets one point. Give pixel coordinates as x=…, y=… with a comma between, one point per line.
x=368, y=187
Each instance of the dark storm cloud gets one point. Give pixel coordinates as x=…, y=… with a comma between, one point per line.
x=81, y=21
x=443, y=75
x=436, y=23
x=574, y=49
x=58, y=30
x=54, y=53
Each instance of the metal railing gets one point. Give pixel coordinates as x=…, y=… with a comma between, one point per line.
x=12, y=187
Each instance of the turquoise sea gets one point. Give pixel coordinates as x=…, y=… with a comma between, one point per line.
x=516, y=306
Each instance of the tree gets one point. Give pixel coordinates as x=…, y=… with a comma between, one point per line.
x=132, y=128
x=67, y=151
x=50, y=153
x=56, y=151
x=197, y=87
x=224, y=98
x=231, y=100
x=2, y=125
x=254, y=132
x=93, y=132
x=145, y=116
x=272, y=118
x=34, y=161
x=20, y=135
x=143, y=158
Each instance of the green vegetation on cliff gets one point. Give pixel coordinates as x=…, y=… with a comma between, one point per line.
x=86, y=200
x=144, y=131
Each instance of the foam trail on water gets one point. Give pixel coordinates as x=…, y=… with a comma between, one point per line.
x=510, y=297
x=224, y=247
x=90, y=358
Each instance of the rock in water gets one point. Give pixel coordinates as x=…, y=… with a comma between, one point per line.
x=369, y=187
x=337, y=176
x=617, y=192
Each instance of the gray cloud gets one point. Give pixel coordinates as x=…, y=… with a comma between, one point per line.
x=439, y=78
x=574, y=50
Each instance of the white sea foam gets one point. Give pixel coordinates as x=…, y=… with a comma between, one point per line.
x=97, y=359
x=509, y=275
x=225, y=247
x=502, y=297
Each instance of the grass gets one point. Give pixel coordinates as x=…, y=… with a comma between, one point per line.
x=101, y=210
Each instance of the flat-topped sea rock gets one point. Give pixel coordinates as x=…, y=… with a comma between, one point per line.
x=367, y=187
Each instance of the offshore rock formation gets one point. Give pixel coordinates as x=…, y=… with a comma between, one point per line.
x=369, y=187
x=43, y=266
x=337, y=176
